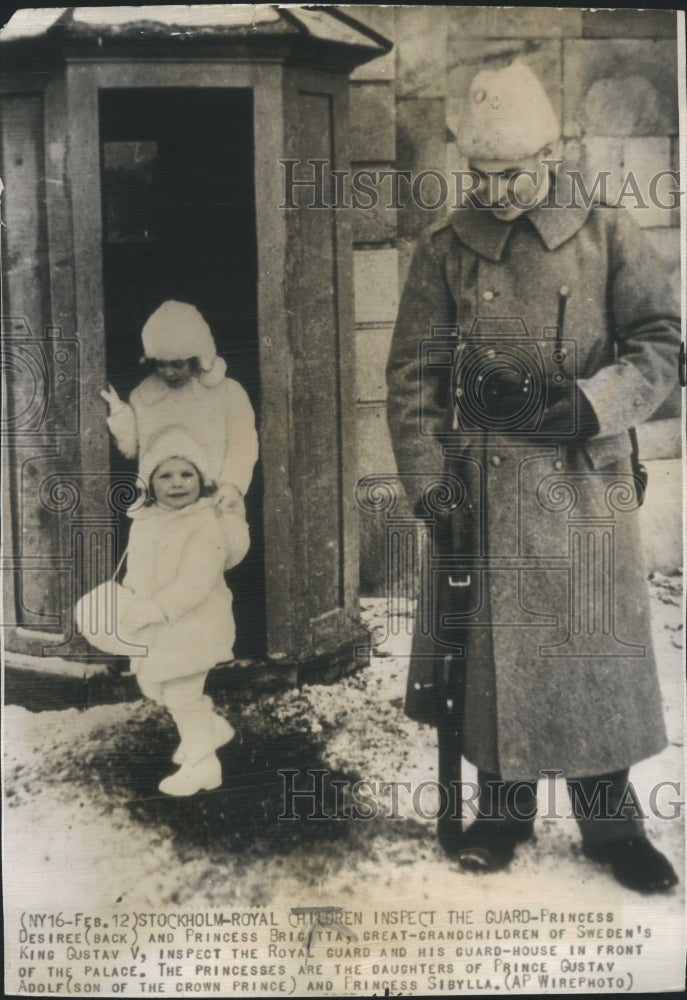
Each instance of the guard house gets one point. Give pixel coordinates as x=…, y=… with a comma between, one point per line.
x=142, y=155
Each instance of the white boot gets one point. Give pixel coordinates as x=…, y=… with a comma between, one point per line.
x=195, y=724
x=191, y=778
x=222, y=732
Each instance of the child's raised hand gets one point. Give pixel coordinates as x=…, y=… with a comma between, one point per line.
x=112, y=399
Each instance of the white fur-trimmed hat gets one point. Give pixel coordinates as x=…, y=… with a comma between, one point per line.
x=173, y=442
x=507, y=115
x=176, y=331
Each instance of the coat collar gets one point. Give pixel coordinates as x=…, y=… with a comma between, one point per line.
x=152, y=389
x=556, y=220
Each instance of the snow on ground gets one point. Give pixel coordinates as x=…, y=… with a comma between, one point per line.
x=86, y=827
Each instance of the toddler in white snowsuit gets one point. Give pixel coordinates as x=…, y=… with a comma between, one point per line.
x=190, y=389
x=183, y=607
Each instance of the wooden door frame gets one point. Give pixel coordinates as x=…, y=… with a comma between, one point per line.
x=84, y=79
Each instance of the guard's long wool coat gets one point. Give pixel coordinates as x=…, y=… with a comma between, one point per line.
x=560, y=669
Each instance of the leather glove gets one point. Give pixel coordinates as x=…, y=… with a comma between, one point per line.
x=569, y=408
x=505, y=392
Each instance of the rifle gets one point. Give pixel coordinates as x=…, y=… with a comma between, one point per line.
x=449, y=692
x=435, y=693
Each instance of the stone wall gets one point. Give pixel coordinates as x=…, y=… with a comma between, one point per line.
x=611, y=75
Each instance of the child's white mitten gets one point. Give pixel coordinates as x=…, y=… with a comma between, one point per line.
x=140, y=614
x=229, y=497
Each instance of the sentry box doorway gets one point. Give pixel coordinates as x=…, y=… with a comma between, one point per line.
x=178, y=217
x=141, y=160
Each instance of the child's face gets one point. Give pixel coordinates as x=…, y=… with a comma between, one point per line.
x=176, y=373
x=176, y=483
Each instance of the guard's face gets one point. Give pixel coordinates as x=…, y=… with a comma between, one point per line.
x=176, y=373
x=510, y=187
x=176, y=483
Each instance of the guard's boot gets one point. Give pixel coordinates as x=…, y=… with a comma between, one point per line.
x=449, y=833
x=505, y=819
x=489, y=844
x=191, y=778
x=635, y=863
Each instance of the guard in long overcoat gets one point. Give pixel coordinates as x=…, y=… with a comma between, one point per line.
x=528, y=343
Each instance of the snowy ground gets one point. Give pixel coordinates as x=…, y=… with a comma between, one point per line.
x=85, y=826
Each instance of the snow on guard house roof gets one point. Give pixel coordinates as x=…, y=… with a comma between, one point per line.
x=201, y=20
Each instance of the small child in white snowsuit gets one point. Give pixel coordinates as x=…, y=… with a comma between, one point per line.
x=189, y=388
x=183, y=608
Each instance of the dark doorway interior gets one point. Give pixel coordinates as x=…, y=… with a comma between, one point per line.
x=179, y=223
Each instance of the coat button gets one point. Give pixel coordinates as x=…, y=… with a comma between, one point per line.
x=488, y=295
x=496, y=460
x=558, y=465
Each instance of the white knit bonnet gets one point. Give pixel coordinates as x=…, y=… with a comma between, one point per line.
x=176, y=331
x=173, y=442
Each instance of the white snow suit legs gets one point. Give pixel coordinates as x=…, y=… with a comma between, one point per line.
x=201, y=731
